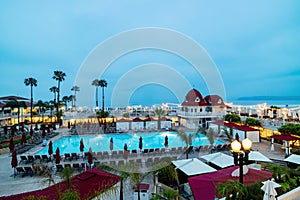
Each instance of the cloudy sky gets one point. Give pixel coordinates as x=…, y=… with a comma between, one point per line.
x=254, y=45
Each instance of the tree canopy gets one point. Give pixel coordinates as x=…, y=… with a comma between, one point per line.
x=232, y=118
x=290, y=128
x=252, y=122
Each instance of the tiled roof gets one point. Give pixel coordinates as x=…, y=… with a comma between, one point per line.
x=193, y=98
x=214, y=100
x=5, y=98
x=235, y=126
x=88, y=184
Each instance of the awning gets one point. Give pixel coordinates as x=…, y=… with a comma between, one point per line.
x=204, y=186
x=220, y=159
x=285, y=136
x=257, y=156
x=193, y=166
x=293, y=159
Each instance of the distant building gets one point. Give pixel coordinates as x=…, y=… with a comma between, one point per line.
x=8, y=115
x=197, y=111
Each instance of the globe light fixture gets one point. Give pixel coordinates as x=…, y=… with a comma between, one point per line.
x=240, y=153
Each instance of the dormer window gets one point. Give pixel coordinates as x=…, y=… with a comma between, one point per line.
x=197, y=99
x=219, y=101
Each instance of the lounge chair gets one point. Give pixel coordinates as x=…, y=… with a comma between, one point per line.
x=38, y=157
x=59, y=168
x=67, y=157
x=74, y=156
x=29, y=170
x=68, y=165
x=20, y=170
x=77, y=167
x=45, y=158
x=30, y=159
x=24, y=159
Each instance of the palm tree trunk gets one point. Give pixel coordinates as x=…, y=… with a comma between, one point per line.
x=97, y=97
x=57, y=105
x=103, y=98
x=19, y=115
x=31, y=102
x=121, y=189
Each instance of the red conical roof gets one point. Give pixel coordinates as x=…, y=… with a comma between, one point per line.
x=193, y=98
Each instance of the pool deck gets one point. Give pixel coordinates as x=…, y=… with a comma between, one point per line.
x=13, y=185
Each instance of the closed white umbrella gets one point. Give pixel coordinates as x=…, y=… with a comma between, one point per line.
x=257, y=156
x=269, y=189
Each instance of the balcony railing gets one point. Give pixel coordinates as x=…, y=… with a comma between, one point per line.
x=200, y=115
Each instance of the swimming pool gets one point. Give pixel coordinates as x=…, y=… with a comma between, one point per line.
x=70, y=144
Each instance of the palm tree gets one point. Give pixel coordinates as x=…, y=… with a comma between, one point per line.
x=96, y=83
x=187, y=139
x=66, y=174
x=50, y=105
x=32, y=82
x=133, y=173
x=13, y=103
x=67, y=99
x=75, y=88
x=42, y=108
x=54, y=89
x=159, y=112
x=232, y=190
x=211, y=135
x=59, y=76
x=102, y=84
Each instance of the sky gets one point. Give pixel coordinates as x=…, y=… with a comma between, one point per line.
x=250, y=48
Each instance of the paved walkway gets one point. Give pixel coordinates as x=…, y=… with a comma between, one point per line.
x=13, y=185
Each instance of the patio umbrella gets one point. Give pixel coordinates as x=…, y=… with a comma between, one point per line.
x=141, y=143
x=219, y=159
x=90, y=156
x=166, y=141
x=23, y=137
x=81, y=147
x=293, y=159
x=50, y=148
x=43, y=132
x=14, y=161
x=111, y=144
x=257, y=156
x=269, y=189
x=5, y=130
x=57, y=156
x=125, y=151
x=12, y=130
x=11, y=144
x=31, y=131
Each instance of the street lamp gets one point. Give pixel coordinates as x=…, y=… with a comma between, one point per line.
x=240, y=153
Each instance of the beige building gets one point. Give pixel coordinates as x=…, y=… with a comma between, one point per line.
x=197, y=111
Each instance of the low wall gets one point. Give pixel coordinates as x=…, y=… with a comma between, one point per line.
x=291, y=195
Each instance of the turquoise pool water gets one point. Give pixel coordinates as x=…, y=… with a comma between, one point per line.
x=70, y=144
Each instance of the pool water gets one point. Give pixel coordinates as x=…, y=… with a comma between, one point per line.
x=70, y=144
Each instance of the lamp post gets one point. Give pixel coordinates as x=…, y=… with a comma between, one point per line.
x=240, y=153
